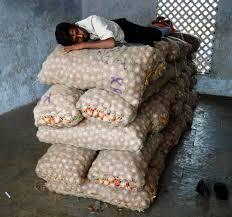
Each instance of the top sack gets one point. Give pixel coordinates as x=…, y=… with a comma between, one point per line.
x=123, y=70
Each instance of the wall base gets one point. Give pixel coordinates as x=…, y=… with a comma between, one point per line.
x=213, y=86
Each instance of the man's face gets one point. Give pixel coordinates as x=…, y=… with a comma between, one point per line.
x=78, y=34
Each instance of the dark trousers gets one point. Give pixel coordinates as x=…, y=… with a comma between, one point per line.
x=138, y=34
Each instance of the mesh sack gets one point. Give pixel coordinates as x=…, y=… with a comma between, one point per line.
x=192, y=99
x=157, y=162
x=172, y=133
x=173, y=50
x=178, y=49
x=191, y=39
x=171, y=72
x=65, y=164
x=124, y=169
x=163, y=46
x=106, y=106
x=190, y=67
x=177, y=108
x=157, y=108
x=188, y=114
x=134, y=200
x=124, y=70
x=183, y=83
x=57, y=107
x=152, y=117
x=185, y=48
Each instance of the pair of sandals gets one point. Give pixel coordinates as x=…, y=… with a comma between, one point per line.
x=220, y=189
x=163, y=22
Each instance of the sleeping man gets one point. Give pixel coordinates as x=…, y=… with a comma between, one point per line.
x=98, y=32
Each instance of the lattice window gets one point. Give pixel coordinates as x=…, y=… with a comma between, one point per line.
x=197, y=17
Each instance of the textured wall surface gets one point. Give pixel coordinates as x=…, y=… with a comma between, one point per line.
x=140, y=12
x=219, y=82
x=222, y=57
x=26, y=37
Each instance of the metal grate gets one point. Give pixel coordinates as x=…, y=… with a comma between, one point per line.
x=197, y=17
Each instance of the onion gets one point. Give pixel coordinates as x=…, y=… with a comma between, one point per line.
x=112, y=117
x=101, y=115
x=89, y=112
x=95, y=113
x=105, y=118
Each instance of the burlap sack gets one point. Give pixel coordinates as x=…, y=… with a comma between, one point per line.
x=157, y=162
x=185, y=48
x=124, y=169
x=160, y=105
x=192, y=99
x=177, y=49
x=189, y=99
x=57, y=107
x=65, y=164
x=163, y=46
x=171, y=135
x=152, y=117
x=177, y=108
x=123, y=70
x=134, y=200
x=172, y=71
x=174, y=130
x=191, y=39
x=105, y=106
x=190, y=67
x=173, y=48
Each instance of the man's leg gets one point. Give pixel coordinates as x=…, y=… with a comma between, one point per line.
x=138, y=34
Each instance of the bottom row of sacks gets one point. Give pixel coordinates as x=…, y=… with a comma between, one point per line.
x=64, y=169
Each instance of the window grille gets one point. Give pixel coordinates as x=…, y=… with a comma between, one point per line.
x=197, y=17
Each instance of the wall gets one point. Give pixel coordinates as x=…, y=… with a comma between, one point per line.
x=219, y=82
x=26, y=38
x=140, y=12
x=222, y=58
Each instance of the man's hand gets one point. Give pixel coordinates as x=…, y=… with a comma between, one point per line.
x=78, y=46
x=102, y=44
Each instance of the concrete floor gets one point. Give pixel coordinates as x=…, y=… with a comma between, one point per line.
x=204, y=152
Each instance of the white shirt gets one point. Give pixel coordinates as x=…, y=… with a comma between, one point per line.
x=101, y=28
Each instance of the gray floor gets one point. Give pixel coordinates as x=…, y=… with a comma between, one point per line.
x=204, y=152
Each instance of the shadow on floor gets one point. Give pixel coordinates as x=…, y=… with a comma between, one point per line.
x=205, y=151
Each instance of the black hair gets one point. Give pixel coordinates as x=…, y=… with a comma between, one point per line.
x=62, y=34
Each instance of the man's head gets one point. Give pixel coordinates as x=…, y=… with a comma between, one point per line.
x=68, y=34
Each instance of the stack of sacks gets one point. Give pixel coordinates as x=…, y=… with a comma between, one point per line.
x=135, y=102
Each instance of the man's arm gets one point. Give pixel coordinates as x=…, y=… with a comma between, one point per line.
x=107, y=43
